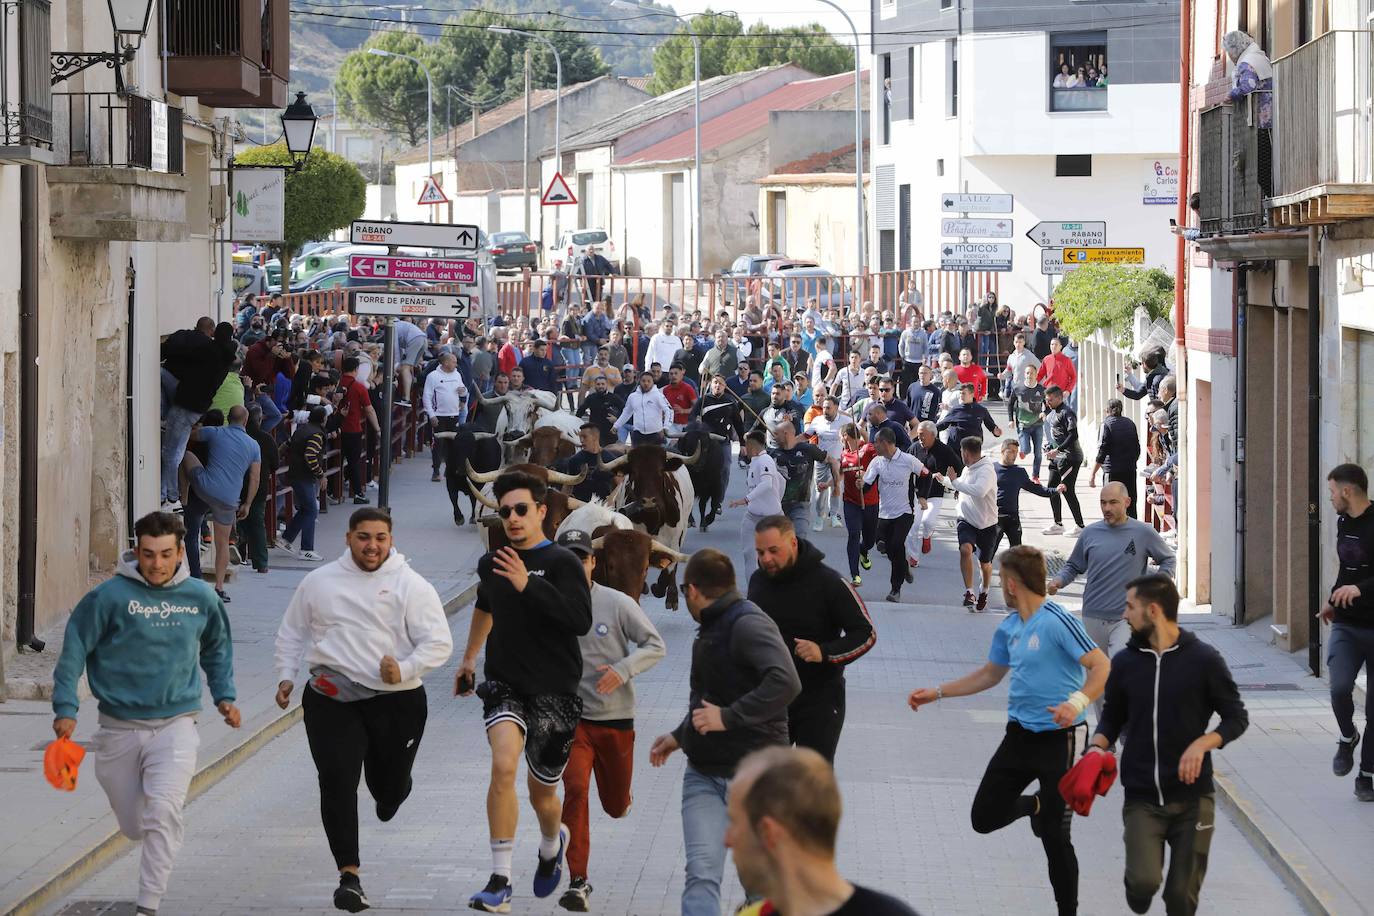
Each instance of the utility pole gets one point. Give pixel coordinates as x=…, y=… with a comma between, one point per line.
x=525, y=162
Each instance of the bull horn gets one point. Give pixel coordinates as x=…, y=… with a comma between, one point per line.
x=491, y=521
x=447, y=434
x=613, y=464
x=559, y=478
x=678, y=556
x=674, y=435
x=483, y=476
x=598, y=543
x=719, y=438
x=693, y=458
x=484, y=435
x=482, y=497
x=574, y=503
x=499, y=399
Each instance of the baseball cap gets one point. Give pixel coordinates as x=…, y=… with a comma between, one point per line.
x=576, y=540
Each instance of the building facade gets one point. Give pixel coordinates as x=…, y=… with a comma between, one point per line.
x=968, y=96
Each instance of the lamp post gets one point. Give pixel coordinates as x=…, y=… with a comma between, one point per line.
x=858, y=144
x=129, y=19
x=298, y=127
x=429, y=106
x=557, y=107
x=699, y=267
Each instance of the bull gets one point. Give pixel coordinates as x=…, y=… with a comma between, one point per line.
x=466, y=449
x=662, y=482
x=558, y=503
x=522, y=413
x=708, y=480
x=623, y=553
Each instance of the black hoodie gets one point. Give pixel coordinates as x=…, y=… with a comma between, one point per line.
x=1161, y=702
x=809, y=600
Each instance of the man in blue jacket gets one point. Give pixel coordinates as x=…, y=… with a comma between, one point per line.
x=140, y=637
x=1161, y=694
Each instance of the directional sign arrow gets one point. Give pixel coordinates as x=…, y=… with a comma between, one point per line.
x=948, y=203
x=465, y=236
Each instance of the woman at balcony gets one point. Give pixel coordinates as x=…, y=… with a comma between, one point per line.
x=1064, y=78
x=1251, y=73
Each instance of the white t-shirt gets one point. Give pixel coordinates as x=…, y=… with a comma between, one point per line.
x=819, y=364
x=764, y=486
x=827, y=433
x=894, y=496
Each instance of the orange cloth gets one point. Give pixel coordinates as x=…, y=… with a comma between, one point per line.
x=1091, y=776
x=61, y=761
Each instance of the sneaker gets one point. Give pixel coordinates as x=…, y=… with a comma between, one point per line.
x=287, y=548
x=361, y=500
x=968, y=599
x=310, y=556
x=864, y=561
x=894, y=595
x=434, y=478
x=1344, y=761
x=913, y=562
x=171, y=505
x=1074, y=532
x=1364, y=788
x=223, y=595
x=817, y=525
x=387, y=812
x=494, y=898
x=372, y=485
x=575, y=897
x=1055, y=528
x=910, y=576
x=401, y=402
x=925, y=545
x=982, y=604
x=349, y=894
x=836, y=522
x=549, y=872
x=882, y=547
x=856, y=581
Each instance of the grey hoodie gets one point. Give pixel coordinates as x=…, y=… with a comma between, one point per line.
x=617, y=621
x=1109, y=556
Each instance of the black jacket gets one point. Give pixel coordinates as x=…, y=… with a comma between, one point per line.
x=739, y=663
x=809, y=600
x=924, y=401
x=306, y=453
x=1120, y=448
x=1161, y=703
x=966, y=420
x=199, y=363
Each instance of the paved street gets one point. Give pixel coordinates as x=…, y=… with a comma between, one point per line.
x=254, y=842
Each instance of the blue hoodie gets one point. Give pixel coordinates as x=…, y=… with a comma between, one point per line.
x=141, y=645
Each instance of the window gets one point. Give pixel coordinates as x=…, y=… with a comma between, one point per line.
x=1078, y=71
x=939, y=168
x=951, y=77
x=1073, y=166
x=912, y=88
x=946, y=4
x=887, y=99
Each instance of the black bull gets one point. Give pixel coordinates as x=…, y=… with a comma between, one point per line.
x=461, y=450
x=708, y=473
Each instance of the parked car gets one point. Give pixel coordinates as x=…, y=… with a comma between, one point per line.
x=735, y=278
x=338, y=278
x=792, y=287
x=575, y=242
x=514, y=251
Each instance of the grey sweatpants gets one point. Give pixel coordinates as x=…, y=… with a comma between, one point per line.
x=1111, y=635
x=146, y=772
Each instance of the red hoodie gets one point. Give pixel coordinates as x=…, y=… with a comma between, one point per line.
x=1057, y=369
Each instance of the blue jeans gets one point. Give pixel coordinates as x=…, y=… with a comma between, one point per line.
x=572, y=362
x=1032, y=440
x=306, y=495
x=169, y=389
x=271, y=416
x=175, y=435
x=800, y=514
x=704, y=820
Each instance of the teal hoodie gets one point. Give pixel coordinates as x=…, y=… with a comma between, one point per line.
x=141, y=646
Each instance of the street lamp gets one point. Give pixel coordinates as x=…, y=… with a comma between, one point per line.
x=129, y=19
x=557, y=107
x=298, y=126
x=696, y=119
x=858, y=145
x=429, y=105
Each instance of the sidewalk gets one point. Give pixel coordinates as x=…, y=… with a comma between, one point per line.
x=67, y=833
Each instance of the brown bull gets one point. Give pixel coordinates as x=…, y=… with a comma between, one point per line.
x=623, y=558
x=548, y=445
x=558, y=503
x=662, y=483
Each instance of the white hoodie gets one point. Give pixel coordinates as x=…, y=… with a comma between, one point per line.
x=347, y=619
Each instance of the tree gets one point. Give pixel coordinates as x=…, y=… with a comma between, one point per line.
x=328, y=194
x=389, y=92
x=1105, y=296
x=728, y=48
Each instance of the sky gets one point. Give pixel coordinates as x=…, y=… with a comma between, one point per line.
x=788, y=12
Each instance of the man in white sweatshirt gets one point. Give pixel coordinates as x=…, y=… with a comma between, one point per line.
x=977, y=517
x=445, y=400
x=762, y=496
x=604, y=742
x=368, y=627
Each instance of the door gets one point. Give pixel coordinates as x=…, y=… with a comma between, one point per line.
x=777, y=222
x=674, y=229
x=904, y=227
x=586, y=215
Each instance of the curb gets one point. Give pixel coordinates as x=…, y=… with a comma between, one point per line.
x=1296, y=876
x=104, y=851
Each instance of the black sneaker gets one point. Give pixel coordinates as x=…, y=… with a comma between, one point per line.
x=864, y=561
x=349, y=894
x=361, y=500
x=910, y=576
x=1364, y=788
x=1344, y=761
x=982, y=604
x=968, y=600
x=387, y=812
x=494, y=898
x=575, y=897
x=894, y=595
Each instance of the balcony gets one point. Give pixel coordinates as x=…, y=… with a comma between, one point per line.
x=25, y=90
x=229, y=53
x=1083, y=98
x=117, y=173
x=1323, y=171
x=1231, y=173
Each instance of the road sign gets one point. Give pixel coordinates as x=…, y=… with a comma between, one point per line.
x=976, y=203
x=1052, y=262
x=416, y=235
x=558, y=193
x=413, y=304
x=1069, y=235
x=1104, y=255
x=431, y=193
x=988, y=228
x=967, y=256
x=429, y=270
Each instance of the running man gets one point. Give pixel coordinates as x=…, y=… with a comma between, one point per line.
x=605, y=739
x=762, y=495
x=1162, y=691
x=369, y=627
x=1012, y=479
x=826, y=428
x=1047, y=651
x=860, y=502
x=140, y=636
x=930, y=494
x=977, y=529
x=892, y=470
x=533, y=602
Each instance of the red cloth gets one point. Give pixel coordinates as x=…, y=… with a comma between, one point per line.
x=61, y=761
x=974, y=375
x=1091, y=776
x=507, y=358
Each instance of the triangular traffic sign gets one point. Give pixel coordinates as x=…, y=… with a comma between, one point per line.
x=431, y=193
x=558, y=192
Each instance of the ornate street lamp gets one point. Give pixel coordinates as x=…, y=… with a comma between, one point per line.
x=298, y=126
x=129, y=19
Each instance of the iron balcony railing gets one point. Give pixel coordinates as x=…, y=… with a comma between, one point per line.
x=1322, y=113
x=129, y=131
x=1233, y=168
x=25, y=87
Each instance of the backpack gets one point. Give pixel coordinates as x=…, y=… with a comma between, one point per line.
x=546, y=298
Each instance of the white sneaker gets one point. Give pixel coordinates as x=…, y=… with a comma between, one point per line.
x=171, y=505
x=1055, y=528
x=1073, y=532
x=310, y=556
x=287, y=547
x=836, y=522
x=817, y=525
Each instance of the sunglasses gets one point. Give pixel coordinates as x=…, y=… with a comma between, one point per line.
x=520, y=509
x=885, y=390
